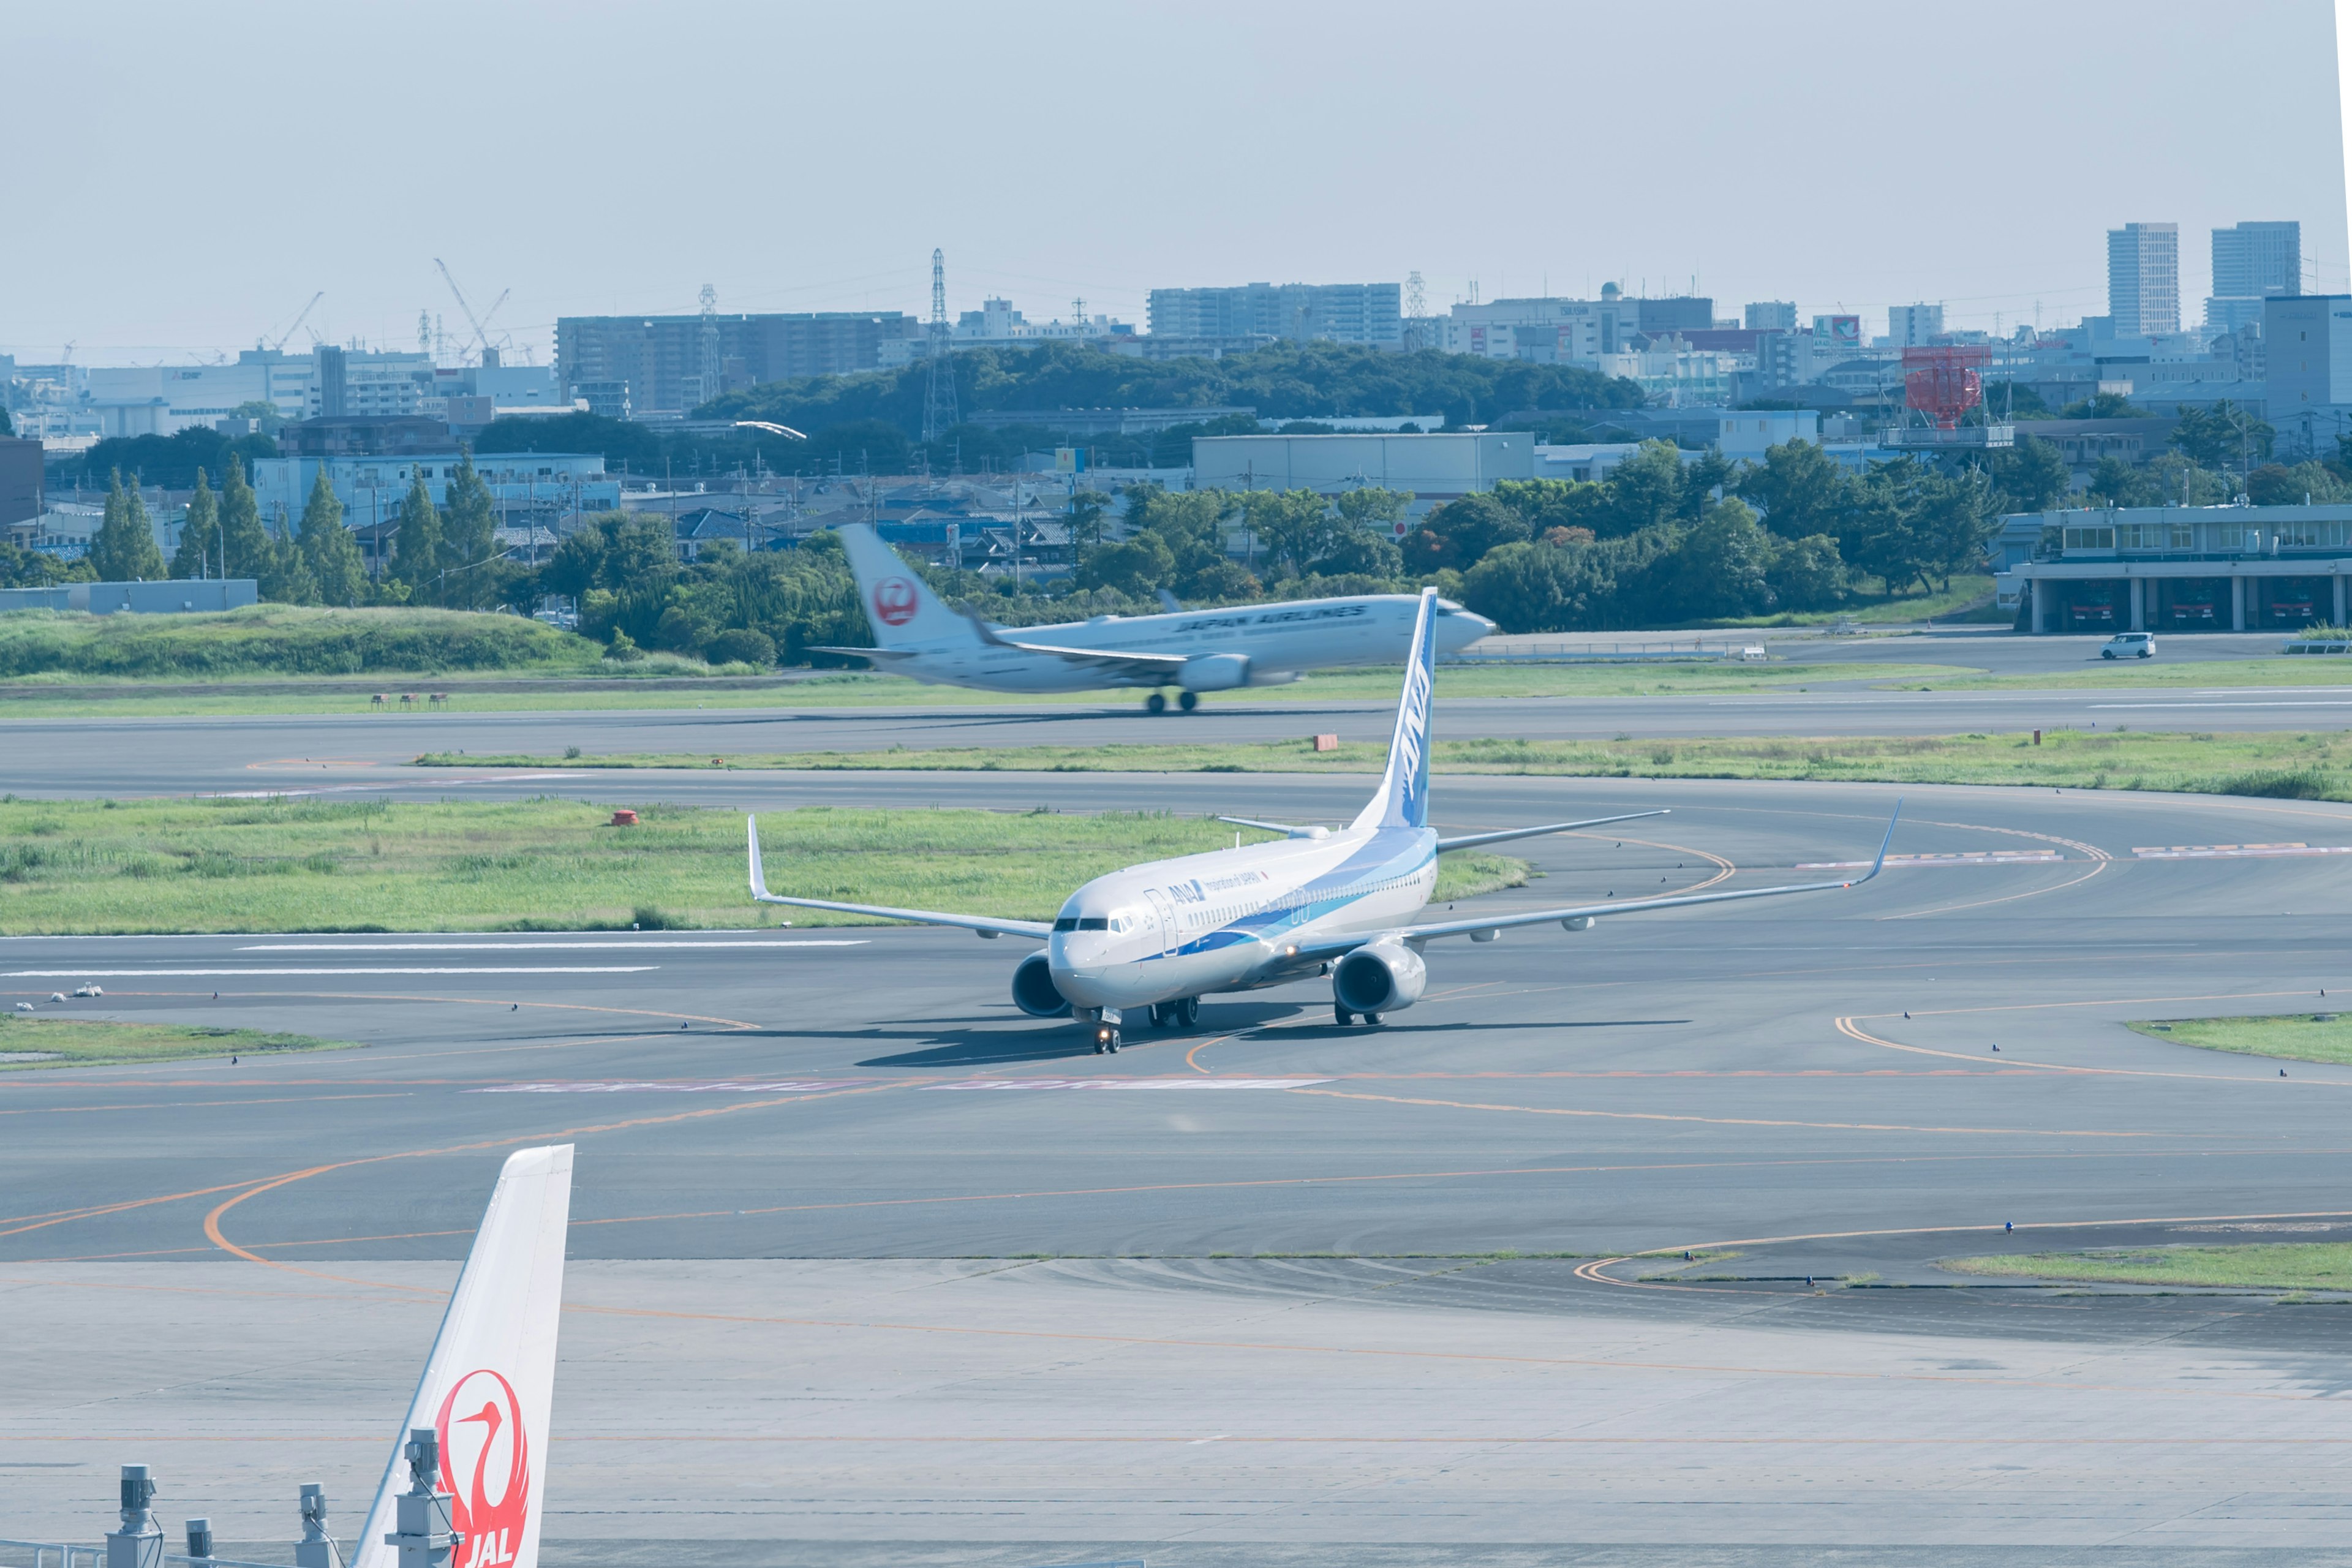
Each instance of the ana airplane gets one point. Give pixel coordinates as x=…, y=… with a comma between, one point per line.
x=468, y=1470
x=1192, y=650
x=1163, y=935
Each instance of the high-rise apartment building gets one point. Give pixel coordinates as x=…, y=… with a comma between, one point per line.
x=653, y=365
x=1913, y=326
x=2144, y=279
x=2250, y=262
x=1338, y=313
x=1772, y=316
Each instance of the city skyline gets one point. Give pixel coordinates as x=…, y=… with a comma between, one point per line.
x=1209, y=168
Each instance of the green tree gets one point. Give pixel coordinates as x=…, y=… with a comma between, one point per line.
x=1645, y=490
x=470, y=543
x=1297, y=526
x=328, y=548
x=245, y=543
x=1133, y=566
x=287, y=580
x=200, y=535
x=2276, y=484
x=1547, y=504
x=416, y=552
x=1458, y=535
x=123, y=550
x=1802, y=489
x=2224, y=436
x=2103, y=405
x=1722, y=566
x=2116, y=483
x=1809, y=573
x=2031, y=476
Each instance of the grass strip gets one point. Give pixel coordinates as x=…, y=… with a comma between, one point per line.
x=2308, y=766
x=2314, y=1036
x=2261, y=1265
x=600, y=688
x=308, y=864
x=83, y=1042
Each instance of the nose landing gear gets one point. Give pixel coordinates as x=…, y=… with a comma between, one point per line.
x=1105, y=1038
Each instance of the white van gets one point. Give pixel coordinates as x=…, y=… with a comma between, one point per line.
x=2129, y=645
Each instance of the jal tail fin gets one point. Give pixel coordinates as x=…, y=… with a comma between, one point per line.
x=899, y=605
x=489, y=1379
x=1403, y=797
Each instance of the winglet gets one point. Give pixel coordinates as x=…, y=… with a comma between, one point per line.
x=759, y=877
x=1880, y=864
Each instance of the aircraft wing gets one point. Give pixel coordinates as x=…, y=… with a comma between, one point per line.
x=1426, y=932
x=1146, y=664
x=877, y=653
x=985, y=925
x=1471, y=840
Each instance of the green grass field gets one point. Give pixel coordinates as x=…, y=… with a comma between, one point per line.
x=2303, y=767
x=2314, y=1036
x=84, y=1042
x=74, y=867
x=1964, y=592
x=2127, y=674
x=2277, y=1266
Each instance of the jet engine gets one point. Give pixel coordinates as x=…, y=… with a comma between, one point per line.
x=1380, y=978
x=1214, y=672
x=1033, y=990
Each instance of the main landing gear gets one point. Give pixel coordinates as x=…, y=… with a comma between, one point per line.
x=1157, y=701
x=1181, y=1014
x=1346, y=1017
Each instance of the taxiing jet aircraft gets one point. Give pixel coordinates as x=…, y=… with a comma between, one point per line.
x=469, y=1469
x=1164, y=934
x=1192, y=650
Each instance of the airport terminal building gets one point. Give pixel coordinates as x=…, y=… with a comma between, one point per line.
x=2182, y=569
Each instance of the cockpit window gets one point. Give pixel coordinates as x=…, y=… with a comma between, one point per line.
x=1081, y=922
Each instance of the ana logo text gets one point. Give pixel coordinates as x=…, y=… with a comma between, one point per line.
x=894, y=601
x=485, y=1468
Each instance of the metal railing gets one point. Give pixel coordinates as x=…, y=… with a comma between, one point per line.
x=1598, y=653
x=67, y=1555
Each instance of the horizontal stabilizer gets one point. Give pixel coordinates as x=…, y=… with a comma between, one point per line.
x=1288, y=829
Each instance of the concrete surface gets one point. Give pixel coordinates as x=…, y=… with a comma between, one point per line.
x=809, y=1325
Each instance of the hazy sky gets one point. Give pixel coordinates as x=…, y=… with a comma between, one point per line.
x=183, y=177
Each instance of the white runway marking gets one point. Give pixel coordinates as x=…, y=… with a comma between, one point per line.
x=160, y=973
x=1964, y=857
x=624, y=944
x=2237, y=851
x=1130, y=1083
x=657, y=1086
x=2337, y=702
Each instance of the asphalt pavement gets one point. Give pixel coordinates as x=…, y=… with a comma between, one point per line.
x=870, y=1268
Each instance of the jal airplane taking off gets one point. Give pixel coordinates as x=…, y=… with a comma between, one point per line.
x=1192, y=650
x=1348, y=904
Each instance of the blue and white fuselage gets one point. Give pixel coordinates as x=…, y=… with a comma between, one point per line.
x=1235, y=918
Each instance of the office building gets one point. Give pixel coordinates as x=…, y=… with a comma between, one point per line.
x=2250, y=262
x=1336, y=313
x=1771, y=315
x=2144, y=279
x=660, y=367
x=20, y=481
x=367, y=383
x=2163, y=569
x=1913, y=326
x=526, y=489
x=1674, y=313
x=1543, y=331
x=2307, y=353
x=1435, y=468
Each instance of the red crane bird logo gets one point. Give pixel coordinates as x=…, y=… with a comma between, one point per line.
x=492, y=1524
x=894, y=601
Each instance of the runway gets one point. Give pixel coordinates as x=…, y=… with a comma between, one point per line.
x=870, y=1269
x=136, y=756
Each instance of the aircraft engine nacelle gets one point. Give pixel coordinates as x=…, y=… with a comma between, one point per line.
x=1033, y=990
x=1380, y=978
x=1214, y=672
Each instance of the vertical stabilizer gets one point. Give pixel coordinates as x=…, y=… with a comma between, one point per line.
x=898, y=605
x=491, y=1376
x=1403, y=797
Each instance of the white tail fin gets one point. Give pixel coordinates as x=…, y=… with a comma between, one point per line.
x=899, y=605
x=488, y=1381
x=1402, y=800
